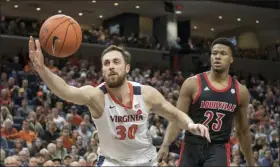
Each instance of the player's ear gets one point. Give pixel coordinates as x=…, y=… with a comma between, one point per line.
x=231, y=59
x=127, y=68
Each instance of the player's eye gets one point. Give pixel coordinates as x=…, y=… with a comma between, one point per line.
x=106, y=63
x=116, y=61
x=223, y=53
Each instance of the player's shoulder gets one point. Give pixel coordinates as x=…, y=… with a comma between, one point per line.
x=242, y=88
x=148, y=92
x=94, y=91
x=243, y=93
x=192, y=81
x=135, y=83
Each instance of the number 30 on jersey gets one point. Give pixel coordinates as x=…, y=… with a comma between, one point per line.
x=130, y=132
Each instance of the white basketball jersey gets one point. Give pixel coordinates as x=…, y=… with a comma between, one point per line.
x=123, y=130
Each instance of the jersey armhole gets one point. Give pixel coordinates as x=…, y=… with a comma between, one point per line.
x=237, y=92
x=199, y=89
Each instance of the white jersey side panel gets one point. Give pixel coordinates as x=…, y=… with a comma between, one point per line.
x=123, y=133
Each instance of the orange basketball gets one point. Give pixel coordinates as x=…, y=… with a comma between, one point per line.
x=60, y=35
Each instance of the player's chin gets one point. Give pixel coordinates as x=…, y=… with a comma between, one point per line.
x=218, y=69
x=113, y=84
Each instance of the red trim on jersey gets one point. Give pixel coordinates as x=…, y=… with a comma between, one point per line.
x=227, y=146
x=117, y=101
x=181, y=152
x=215, y=89
x=237, y=91
x=199, y=89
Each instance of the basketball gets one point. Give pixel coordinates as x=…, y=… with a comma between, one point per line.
x=60, y=36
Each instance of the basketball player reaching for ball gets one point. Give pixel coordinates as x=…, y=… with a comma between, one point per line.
x=218, y=101
x=119, y=109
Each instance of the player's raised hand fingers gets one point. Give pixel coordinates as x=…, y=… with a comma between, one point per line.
x=38, y=46
x=31, y=44
x=164, y=158
x=201, y=130
x=31, y=49
x=207, y=135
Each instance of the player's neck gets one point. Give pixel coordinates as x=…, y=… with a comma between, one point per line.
x=218, y=76
x=121, y=91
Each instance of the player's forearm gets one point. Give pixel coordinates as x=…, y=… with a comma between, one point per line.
x=183, y=120
x=245, y=140
x=56, y=84
x=171, y=134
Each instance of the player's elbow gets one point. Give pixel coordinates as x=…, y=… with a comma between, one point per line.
x=242, y=130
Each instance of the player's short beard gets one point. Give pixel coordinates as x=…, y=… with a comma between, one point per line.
x=218, y=70
x=117, y=82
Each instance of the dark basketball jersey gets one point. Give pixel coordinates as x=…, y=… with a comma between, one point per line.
x=215, y=109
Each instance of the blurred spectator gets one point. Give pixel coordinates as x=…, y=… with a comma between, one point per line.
x=51, y=133
x=11, y=162
x=4, y=143
x=5, y=114
x=8, y=132
x=85, y=133
x=76, y=119
x=4, y=98
x=57, y=118
x=157, y=131
x=52, y=150
x=61, y=152
x=23, y=157
x=33, y=162
x=18, y=145
x=37, y=145
x=26, y=134
x=2, y=157
x=67, y=141
x=24, y=110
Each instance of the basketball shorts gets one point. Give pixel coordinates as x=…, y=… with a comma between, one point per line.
x=102, y=161
x=204, y=155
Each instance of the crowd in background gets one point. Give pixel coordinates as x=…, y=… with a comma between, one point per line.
x=38, y=128
x=96, y=35
x=101, y=35
x=203, y=45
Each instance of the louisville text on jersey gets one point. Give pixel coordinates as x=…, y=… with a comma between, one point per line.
x=218, y=105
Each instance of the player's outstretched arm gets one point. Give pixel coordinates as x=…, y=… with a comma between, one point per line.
x=156, y=102
x=242, y=126
x=183, y=104
x=56, y=84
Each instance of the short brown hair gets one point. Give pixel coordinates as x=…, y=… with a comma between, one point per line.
x=126, y=55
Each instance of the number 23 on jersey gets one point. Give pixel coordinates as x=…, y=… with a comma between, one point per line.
x=124, y=132
x=217, y=125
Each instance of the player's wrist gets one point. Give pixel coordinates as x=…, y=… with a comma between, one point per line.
x=190, y=125
x=165, y=145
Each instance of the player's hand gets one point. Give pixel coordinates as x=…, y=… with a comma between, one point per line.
x=35, y=54
x=163, y=154
x=199, y=129
x=161, y=164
